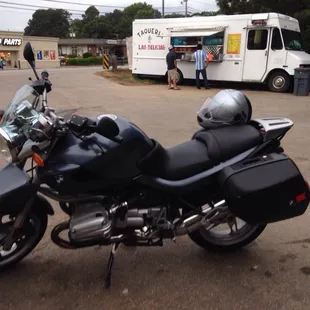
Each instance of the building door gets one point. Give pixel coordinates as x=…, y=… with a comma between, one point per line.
x=256, y=55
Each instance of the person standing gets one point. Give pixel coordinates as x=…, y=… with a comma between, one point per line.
x=171, y=60
x=1, y=64
x=202, y=61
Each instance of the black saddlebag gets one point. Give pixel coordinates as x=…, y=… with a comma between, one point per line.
x=265, y=189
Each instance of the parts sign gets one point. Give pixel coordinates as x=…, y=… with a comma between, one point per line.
x=10, y=42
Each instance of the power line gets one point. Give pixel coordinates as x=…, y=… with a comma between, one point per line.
x=28, y=9
x=86, y=4
x=205, y=3
x=99, y=5
x=43, y=7
x=33, y=8
x=37, y=6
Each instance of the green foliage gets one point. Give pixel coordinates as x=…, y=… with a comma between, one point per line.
x=49, y=23
x=174, y=15
x=90, y=61
x=117, y=24
x=87, y=55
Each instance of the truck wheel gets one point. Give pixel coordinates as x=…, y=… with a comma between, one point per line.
x=279, y=81
x=180, y=78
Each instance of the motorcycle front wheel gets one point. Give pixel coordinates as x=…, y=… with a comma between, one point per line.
x=25, y=239
x=223, y=238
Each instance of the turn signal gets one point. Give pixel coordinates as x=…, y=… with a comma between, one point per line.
x=38, y=159
x=301, y=197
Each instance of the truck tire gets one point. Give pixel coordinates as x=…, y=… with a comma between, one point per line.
x=279, y=81
x=180, y=79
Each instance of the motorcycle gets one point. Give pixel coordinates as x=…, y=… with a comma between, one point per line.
x=119, y=186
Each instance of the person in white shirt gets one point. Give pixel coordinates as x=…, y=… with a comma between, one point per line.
x=202, y=61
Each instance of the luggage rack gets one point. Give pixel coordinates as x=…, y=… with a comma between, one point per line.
x=272, y=127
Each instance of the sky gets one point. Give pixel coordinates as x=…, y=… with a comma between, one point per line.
x=14, y=14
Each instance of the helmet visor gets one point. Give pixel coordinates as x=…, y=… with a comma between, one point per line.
x=216, y=113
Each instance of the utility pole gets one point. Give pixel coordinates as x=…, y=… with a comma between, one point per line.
x=163, y=9
x=185, y=8
x=185, y=2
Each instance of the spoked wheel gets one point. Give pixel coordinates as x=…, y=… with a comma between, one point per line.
x=25, y=240
x=229, y=236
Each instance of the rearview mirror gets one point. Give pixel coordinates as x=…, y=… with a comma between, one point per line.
x=28, y=54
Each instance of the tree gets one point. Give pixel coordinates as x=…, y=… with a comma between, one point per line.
x=174, y=15
x=91, y=13
x=49, y=23
x=117, y=24
x=138, y=11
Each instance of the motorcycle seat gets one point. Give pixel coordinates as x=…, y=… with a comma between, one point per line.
x=207, y=149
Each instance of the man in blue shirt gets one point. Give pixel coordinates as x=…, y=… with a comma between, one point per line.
x=171, y=60
x=202, y=61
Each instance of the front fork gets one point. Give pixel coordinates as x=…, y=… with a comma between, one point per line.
x=20, y=219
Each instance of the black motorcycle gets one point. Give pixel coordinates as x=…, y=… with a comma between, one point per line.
x=119, y=186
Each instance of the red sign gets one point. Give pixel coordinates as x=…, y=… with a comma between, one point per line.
x=155, y=47
x=52, y=55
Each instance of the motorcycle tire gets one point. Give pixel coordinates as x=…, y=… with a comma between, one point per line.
x=205, y=240
x=36, y=222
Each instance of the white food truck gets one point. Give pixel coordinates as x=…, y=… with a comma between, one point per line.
x=259, y=48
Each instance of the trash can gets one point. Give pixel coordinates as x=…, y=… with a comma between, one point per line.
x=302, y=82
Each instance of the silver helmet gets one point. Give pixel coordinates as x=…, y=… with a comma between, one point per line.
x=227, y=107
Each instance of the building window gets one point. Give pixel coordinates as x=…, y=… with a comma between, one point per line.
x=257, y=39
x=276, y=43
x=74, y=50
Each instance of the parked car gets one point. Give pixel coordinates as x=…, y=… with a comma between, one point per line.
x=63, y=60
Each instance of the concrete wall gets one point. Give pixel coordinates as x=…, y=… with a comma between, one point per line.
x=45, y=46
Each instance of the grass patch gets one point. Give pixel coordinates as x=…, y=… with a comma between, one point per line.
x=125, y=77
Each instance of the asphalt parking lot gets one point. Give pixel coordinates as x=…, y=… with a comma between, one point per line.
x=272, y=273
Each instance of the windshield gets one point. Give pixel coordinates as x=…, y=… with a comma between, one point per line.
x=22, y=105
x=292, y=40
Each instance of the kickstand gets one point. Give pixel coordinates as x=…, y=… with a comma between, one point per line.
x=110, y=265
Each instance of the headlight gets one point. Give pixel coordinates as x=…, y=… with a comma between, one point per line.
x=4, y=148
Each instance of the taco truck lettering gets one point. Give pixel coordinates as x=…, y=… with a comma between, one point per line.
x=149, y=32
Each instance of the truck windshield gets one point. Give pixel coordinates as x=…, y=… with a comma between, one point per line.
x=292, y=40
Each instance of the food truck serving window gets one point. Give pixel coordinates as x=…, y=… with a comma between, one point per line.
x=185, y=40
x=214, y=39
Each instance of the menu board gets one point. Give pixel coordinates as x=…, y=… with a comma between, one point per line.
x=234, y=43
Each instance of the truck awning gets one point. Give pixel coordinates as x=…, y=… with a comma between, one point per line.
x=195, y=32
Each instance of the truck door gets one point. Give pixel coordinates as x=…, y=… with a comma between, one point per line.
x=256, y=54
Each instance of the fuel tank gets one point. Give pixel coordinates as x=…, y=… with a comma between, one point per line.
x=97, y=163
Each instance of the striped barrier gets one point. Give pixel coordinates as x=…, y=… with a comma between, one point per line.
x=105, y=61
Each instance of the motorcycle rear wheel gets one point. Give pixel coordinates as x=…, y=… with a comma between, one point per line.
x=26, y=240
x=215, y=242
